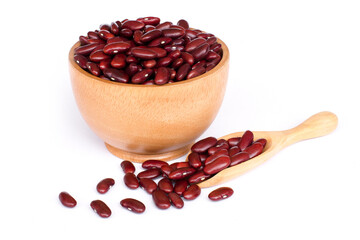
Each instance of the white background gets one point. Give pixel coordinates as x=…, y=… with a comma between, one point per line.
x=289, y=60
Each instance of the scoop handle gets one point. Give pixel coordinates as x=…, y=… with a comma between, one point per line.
x=317, y=125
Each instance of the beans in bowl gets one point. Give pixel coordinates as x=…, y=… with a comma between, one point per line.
x=146, y=51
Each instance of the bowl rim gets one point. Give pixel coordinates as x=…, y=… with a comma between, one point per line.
x=224, y=59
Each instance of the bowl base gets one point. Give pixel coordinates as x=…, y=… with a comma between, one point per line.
x=139, y=158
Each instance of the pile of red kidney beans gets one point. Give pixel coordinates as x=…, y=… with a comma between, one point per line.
x=145, y=51
x=179, y=180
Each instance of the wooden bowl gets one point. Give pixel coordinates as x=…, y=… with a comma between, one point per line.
x=141, y=122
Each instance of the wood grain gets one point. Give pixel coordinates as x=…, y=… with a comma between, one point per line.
x=139, y=122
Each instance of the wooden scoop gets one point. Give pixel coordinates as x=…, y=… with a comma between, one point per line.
x=317, y=125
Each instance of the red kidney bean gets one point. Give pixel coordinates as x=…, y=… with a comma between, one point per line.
x=101, y=208
x=148, y=82
x=161, y=41
x=148, y=184
x=194, y=160
x=131, y=59
x=142, y=76
x=196, y=72
x=85, y=50
x=180, y=186
x=216, y=47
x=166, y=185
x=221, y=142
x=210, y=65
x=188, y=58
x=162, y=76
x=116, y=40
x=136, y=37
x=239, y=158
x=263, y=141
x=200, y=52
x=133, y=205
x=217, y=165
x=98, y=41
x=181, y=173
x=143, y=53
x=105, y=34
x=254, y=150
x=116, y=47
x=192, y=192
x=98, y=56
x=93, y=35
x=174, y=54
x=160, y=52
x=114, y=28
x=67, y=200
x=178, y=41
x=172, y=75
x=234, y=141
x=116, y=75
x=126, y=32
x=166, y=169
x=183, y=23
x=205, y=35
x=149, y=173
x=211, y=40
x=190, y=33
x=81, y=61
x=183, y=71
x=148, y=28
x=217, y=148
x=127, y=166
x=176, y=200
x=119, y=61
x=177, y=63
x=164, y=25
x=220, y=193
x=119, y=23
x=164, y=62
x=93, y=68
x=171, y=48
x=173, y=32
x=148, y=164
x=182, y=165
x=131, y=180
x=246, y=140
x=212, y=56
x=104, y=185
x=105, y=27
x=133, y=25
x=161, y=200
x=204, y=144
x=220, y=153
x=151, y=35
x=149, y=63
x=233, y=150
x=83, y=40
x=178, y=27
x=132, y=69
x=201, y=63
x=197, y=177
x=194, y=44
x=203, y=156
x=149, y=20
x=99, y=47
